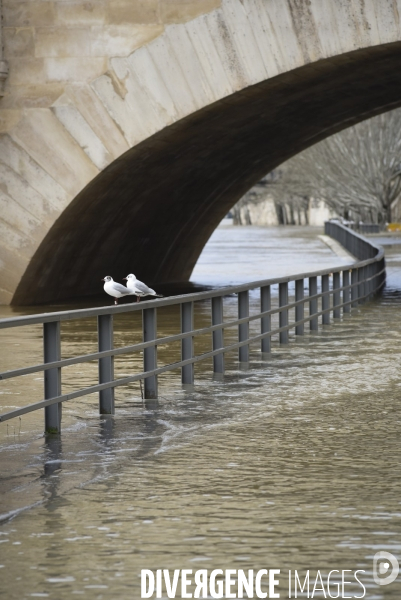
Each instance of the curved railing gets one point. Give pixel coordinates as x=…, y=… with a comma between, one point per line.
x=340, y=289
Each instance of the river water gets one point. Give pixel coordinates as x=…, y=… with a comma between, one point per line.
x=291, y=462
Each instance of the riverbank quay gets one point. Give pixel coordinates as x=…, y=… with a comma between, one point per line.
x=291, y=463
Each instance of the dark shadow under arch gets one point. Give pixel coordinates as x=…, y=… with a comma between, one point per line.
x=153, y=209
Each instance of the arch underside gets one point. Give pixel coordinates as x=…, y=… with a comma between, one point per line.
x=152, y=210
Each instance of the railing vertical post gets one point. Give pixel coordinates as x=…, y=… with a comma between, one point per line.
x=336, y=296
x=187, y=344
x=313, y=323
x=243, y=328
x=52, y=377
x=218, y=334
x=265, y=322
x=354, y=289
x=346, y=292
x=283, y=314
x=368, y=284
x=371, y=268
x=361, y=286
x=149, y=325
x=106, y=365
x=325, y=300
x=373, y=280
x=299, y=309
x=381, y=277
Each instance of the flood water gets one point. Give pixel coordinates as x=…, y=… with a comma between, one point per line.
x=290, y=462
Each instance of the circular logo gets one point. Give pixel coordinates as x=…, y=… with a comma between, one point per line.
x=382, y=561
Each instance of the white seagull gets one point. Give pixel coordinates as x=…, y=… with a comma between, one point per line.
x=117, y=290
x=138, y=288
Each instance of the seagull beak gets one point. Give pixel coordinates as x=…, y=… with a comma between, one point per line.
x=102, y=280
x=125, y=278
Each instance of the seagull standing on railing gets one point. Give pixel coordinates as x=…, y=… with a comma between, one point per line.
x=117, y=290
x=139, y=289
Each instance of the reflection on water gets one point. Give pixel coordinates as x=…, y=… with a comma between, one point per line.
x=292, y=463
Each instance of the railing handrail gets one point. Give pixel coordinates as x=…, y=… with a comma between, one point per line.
x=169, y=367
x=65, y=362
x=70, y=315
x=361, y=280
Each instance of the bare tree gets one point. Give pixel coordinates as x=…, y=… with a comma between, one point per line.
x=356, y=172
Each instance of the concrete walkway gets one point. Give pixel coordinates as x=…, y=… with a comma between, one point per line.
x=247, y=253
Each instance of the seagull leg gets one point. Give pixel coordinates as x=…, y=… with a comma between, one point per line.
x=138, y=298
x=116, y=301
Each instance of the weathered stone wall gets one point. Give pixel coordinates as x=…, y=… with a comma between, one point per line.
x=263, y=212
x=90, y=79
x=52, y=43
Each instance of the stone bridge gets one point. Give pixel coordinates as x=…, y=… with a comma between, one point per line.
x=130, y=127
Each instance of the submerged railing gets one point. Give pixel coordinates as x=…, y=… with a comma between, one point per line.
x=341, y=289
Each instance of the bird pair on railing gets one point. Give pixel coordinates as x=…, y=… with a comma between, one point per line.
x=134, y=288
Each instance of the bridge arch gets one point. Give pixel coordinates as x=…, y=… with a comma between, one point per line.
x=139, y=164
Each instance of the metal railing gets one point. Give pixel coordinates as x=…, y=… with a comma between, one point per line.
x=351, y=285
x=366, y=228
